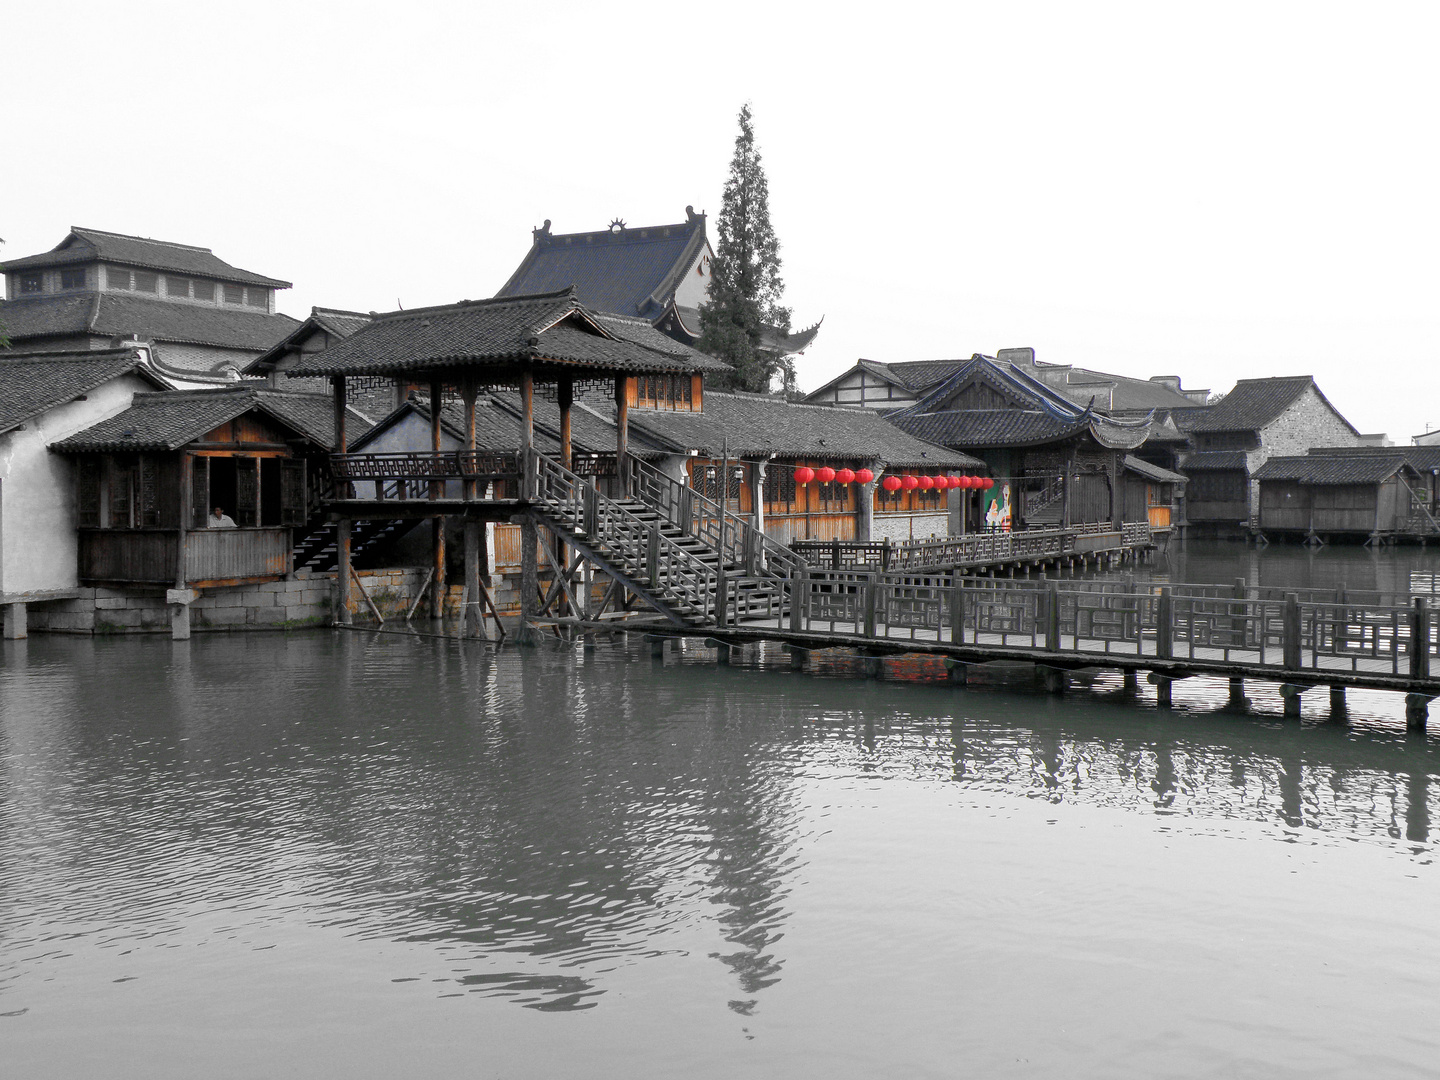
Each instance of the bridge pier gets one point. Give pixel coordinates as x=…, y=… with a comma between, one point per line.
x=1130, y=681
x=1056, y=679
x=797, y=658
x=959, y=672
x=874, y=666
x=1162, y=684
x=1417, y=711
x=1237, y=700
x=16, y=622
x=1291, y=694
x=657, y=648
x=1338, y=709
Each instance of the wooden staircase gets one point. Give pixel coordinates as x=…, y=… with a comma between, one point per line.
x=317, y=550
x=691, y=560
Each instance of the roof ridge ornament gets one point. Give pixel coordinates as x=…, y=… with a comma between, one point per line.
x=618, y=225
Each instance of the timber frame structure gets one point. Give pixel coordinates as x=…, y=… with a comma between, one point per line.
x=691, y=560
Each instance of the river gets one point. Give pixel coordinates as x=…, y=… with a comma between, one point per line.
x=368, y=854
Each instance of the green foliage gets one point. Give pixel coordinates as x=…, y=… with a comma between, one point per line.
x=744, y=308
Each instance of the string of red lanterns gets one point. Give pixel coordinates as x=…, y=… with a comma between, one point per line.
x=825, y=474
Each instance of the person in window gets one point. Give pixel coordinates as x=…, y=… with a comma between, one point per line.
x=220, y=520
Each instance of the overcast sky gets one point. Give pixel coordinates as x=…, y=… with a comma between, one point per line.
x=1215, y=191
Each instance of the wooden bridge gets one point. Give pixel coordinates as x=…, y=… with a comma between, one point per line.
x=709, y=573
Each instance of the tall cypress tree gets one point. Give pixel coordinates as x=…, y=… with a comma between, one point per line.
x=745, y=284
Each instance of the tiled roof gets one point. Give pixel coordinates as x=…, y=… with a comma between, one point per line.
x=91, y=245
x=639, y=331
x=31, y=383
x=167, y=421
x=630, y=271
x=1141, y=467
x=1255, y=402
x=1332, y=469
x=757, y=426
x=532, y=330
x=124, y=314
x=978, y=429
x=1214, y=461
x=337, y=324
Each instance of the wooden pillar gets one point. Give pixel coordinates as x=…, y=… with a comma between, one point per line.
x=187, y=494
x=342, y=571
x=337, y=387
x=757, y=494
x=527, y=435
x=865, y=512
x=469, y=392
x=622, y=437
x=567, y=399
x=437, y=488
x=529, y=579
x=474, y=537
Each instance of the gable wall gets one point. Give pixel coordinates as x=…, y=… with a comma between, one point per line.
x=694, y=287
x=1308, y=422
x=864, y=388
x=38, y=546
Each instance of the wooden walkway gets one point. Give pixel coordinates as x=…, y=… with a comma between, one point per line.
x=1300, y=640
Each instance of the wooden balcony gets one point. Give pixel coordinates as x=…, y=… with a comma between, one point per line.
x=212, y=556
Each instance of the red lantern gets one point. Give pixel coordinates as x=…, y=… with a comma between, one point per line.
x=909, y=483
x=803, y=475
x=845, y=476
x=926, y=483
x=965, y=483
x=824, y=474
x=890, y=483
x=944, y=483
x=989, y=482
x=864, y=476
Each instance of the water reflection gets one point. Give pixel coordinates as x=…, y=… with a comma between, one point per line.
x=540, y=820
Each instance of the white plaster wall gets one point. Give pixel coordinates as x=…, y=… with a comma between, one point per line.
x=910, y=527
x=38, y=546
x=694, y=287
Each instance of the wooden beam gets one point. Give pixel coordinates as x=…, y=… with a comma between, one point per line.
x=527, y=434
x=469, y=392
x=567, y=399
x=622, y=435
x=337, y=388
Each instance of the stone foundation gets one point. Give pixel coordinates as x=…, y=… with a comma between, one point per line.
x=306, y=601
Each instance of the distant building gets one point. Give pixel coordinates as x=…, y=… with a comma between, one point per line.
x=1380, y=493
x=45, y=397
x=659, y=273
x=1056, y=462
x=95, y=289
x=876, y=385
x=1258, y=420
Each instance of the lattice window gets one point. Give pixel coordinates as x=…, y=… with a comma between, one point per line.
x=149, y=501
x=176, y=286
x=890, y=500
x=834, y=497
x=234, y=294
x=200, y=492
x=116, y=278
x=121, y=478
x=292, y=492
x=87, y=496
x=257, y=297
x=32, y=282
x=780, y=485
x=72, y=279
x=146, y=281
x=247, y=491
x=204, y=290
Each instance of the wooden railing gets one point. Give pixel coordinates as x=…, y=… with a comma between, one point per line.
x=1198, y=625
x=211, y=555
x=975, y=549
x=697, y=515
x=416, y=475
x=676, y=577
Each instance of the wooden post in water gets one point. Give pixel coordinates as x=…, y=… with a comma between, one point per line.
x=1052, y=617
x=799, y=590
x=1290, y=633
x=529, y=579
x=1419, y=639
x=474, y=537
x=1165, y=625
x=957, y=610
x=527, y=436
x=342, y=571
